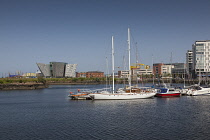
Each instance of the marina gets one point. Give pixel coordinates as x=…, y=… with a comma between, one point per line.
x=50, y=114
x=104, y=70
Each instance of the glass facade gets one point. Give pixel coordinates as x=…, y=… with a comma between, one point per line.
x=201, y=51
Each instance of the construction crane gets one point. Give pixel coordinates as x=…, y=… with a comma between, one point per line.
x=136, y=65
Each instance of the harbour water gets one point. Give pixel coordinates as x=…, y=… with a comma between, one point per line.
x=50, y=114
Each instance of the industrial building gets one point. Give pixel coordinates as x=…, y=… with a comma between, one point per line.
x=57, y=69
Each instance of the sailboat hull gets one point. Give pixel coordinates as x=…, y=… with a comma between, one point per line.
x=121, y=96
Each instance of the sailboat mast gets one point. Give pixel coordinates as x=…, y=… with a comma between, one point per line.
x=199, y=67
x=129, y=57
x=136, y=63
x=112, y=64
x=107, y=73
x=153, y=79
x=184, y=74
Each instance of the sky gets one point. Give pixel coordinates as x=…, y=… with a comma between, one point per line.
x=80, y=31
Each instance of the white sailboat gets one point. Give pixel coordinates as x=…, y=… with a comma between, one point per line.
x=121, y=95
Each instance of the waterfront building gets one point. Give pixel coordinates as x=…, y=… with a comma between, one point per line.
x=94, y=74
x=123, y=74
x=90, y=74
x=135, y=72
x=189, y=63
x=169, y=70
x=166, y=69
x=142, y=71
x=44, y=69
x=177, y=70
x=57, y=69
x=29, y=75
x=70, y=70
x=157, y=70
x=201, y=58
x=81, y=74
x=14, y=76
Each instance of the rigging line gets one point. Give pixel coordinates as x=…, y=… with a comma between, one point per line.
x=134, y=45
x=133, y=40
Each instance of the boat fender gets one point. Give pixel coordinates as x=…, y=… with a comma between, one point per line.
x=189, y=92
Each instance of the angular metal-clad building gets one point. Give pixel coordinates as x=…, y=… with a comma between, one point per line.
x=57, y=69
x=45, y=69
x=70, y=70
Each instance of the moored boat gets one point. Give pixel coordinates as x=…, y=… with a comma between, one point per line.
x=121, y=94
x=79, y=96
x=197, y=90
x=168, y=92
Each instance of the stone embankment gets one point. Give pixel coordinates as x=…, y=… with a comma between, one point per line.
x=22, y=86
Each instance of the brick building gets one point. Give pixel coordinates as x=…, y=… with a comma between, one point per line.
x=91, y=74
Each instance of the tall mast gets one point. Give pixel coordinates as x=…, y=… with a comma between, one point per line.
x=129, y=57
x=112, y=64
x=153, y=80
x=107, y=73
x=171, y=71
x=184, y=74
x=199, y=67
x=136, y=63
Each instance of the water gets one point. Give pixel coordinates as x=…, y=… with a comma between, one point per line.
x=50, y=114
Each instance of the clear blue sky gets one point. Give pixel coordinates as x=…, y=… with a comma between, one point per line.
x=79, y=31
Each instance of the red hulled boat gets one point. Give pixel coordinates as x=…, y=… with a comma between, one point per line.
x=168, y=92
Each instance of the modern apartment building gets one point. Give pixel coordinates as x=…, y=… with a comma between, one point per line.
x=178, y=70
x=57, y=69
x=201, y=57
x=173, y=69
x=189, y=63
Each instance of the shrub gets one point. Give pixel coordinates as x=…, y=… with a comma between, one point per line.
x=74, y=79
x=41, y=80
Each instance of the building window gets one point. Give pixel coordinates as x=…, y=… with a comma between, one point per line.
x=199, y=44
